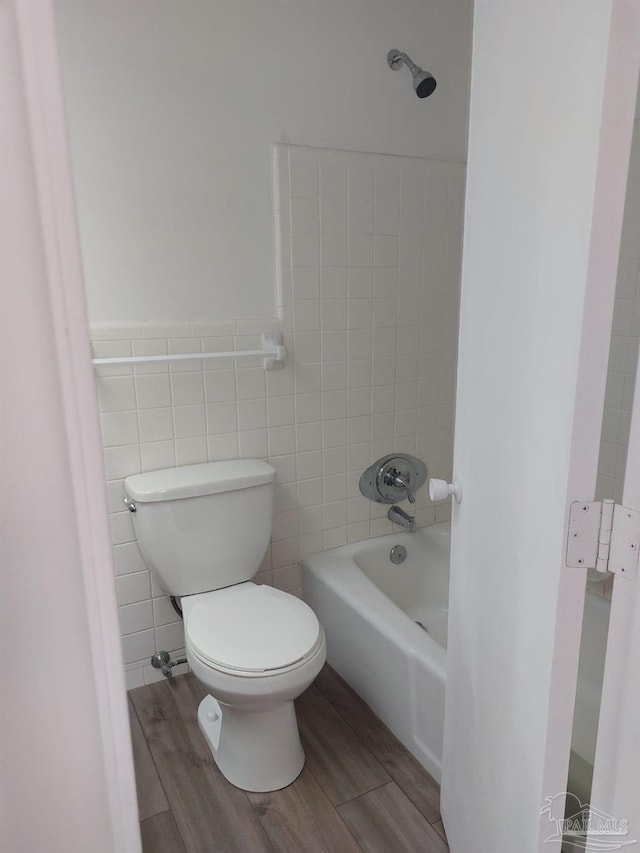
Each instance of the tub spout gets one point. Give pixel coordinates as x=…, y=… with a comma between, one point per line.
x=399, y=516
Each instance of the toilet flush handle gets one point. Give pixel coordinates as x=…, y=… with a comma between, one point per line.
x=130, y=505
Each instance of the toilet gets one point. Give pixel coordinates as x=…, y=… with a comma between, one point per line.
x=203, y=530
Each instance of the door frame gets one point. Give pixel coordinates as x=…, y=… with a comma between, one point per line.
x=33, y=93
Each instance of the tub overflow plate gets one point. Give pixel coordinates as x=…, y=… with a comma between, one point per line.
x=398, y=554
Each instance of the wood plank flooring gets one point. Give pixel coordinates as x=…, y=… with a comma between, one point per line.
x=360, y=789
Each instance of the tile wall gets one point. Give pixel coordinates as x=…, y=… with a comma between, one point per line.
x=367, y=267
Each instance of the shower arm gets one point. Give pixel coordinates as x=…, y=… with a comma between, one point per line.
x=396, y=58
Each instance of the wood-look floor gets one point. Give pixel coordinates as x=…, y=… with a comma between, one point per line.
x=360, y=789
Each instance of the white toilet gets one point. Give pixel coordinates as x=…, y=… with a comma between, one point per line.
x=204, y=529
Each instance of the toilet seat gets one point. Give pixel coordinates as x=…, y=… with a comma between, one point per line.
x=250, y=630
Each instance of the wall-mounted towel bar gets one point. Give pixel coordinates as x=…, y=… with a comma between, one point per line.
x=273, y=351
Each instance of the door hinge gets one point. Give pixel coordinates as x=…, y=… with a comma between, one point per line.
x=604, y=536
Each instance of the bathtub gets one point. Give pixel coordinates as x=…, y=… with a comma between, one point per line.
x=386, y=629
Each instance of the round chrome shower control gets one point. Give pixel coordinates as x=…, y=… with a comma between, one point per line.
x=398, y=554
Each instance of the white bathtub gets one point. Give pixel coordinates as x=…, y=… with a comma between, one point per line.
x=370, y=608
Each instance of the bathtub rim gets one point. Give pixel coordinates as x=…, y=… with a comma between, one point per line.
x=339, y=570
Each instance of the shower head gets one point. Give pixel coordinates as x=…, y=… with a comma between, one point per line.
x=423, y=82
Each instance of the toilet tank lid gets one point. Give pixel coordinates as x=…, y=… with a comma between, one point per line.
x=190, y=481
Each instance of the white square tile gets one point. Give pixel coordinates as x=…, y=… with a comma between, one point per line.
x=169, y=637
x=334, y=538
x=385, y=282
x=189, y=421
x=304, y=180
x=116, y=393
x=308, y=408
x=359, y=456
x=252, y=414
x=127, y=559
x=334, y=460
x=153, y=391
x=220, y=386
x=308, y=436
x=360, y=250
x=306, y=315
x=306, y=283
x=309, y=465
x=305, y=249
x=191, y=451
x=281, y=440
x=252, y=444
x=133, y=588
x=285, y=467
x=221, y=418
x=285, y=525
x=223, y=446
x=334, y=433
x=122, y=461
x=360, y=282
x=360, y=313
x=305, y=215
x=334, y=345
x=187, y=388
x=359, y=401
x=155, y=424
x=119, y=428
x=309, y=492
x=280, y=411
x=307, y=379
x=334, y=404
x=334, y=514
x=359, y=373
x=134, y=678
x=163, y=612
x=250, y=383
x=360, y=184
x=333, y=182
x=138, y=646
x=334, y=376
x=358, y=429
x=135, y=617
x=287, y=578
x=284, y=552
x=307, y=347
x=155, y=455
x=121, y=528
x=310, y=520
x=334, y=314
x=360, y=217
x=333, y=282
x=386, y=251
x=333, y=250
x=333, y=215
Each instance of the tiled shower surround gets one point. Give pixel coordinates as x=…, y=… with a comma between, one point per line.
x=368, y=267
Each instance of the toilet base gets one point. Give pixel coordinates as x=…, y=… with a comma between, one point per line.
x=256, y=751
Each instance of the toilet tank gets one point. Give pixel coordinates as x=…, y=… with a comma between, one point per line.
x=203, y=527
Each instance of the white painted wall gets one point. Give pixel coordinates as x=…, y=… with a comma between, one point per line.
x=66, y=768
x=174, y=108
x=550, y=126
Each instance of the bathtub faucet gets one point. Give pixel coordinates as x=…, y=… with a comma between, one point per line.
x=393, y=478
x=399, y=516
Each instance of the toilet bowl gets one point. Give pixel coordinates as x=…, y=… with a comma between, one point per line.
x=256, y=649
x=203, y=530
